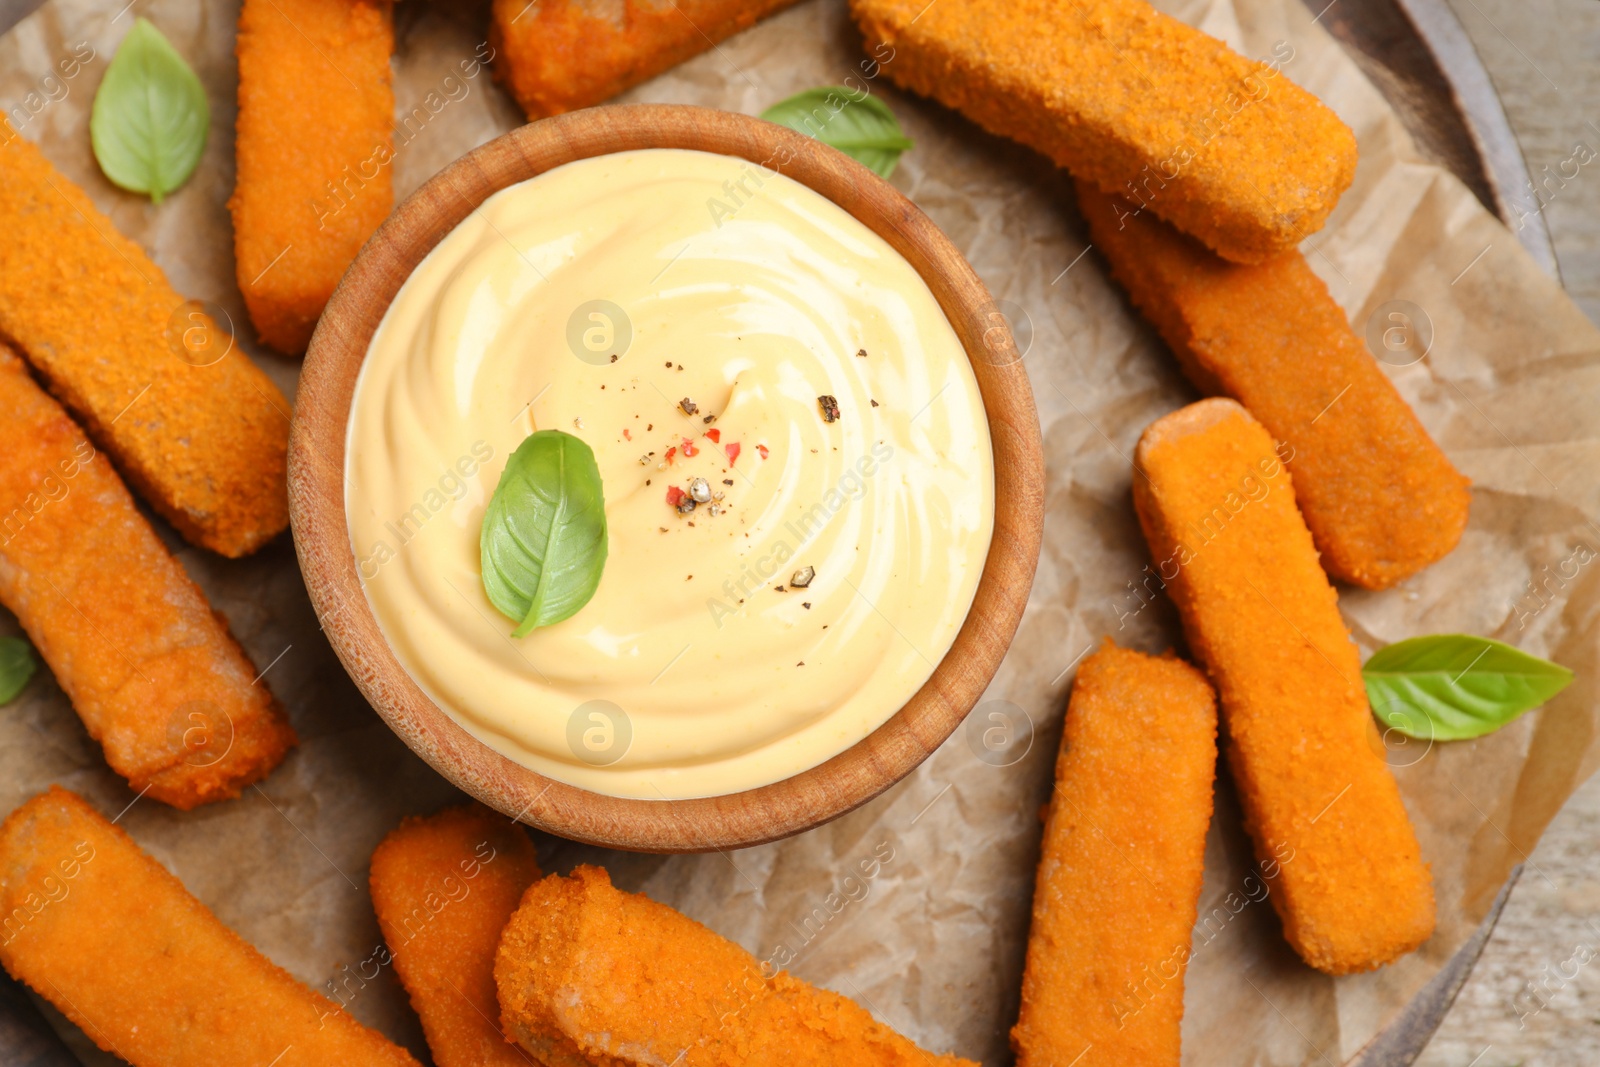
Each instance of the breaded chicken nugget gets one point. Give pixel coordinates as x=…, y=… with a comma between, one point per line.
x=206, y=446
x=585, y=970
x=107, y=935
x=444, y=888
x=1134, y=101
x=1120, y=866
x=1381, y=499
x=560, y=55
x=315, y=147
x=150, y=668
x=1218, y=510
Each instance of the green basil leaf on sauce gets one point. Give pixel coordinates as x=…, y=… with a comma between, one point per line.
x=862, y=127
x=150, y=117
x=543, y=543
x=1451, y=687
x=16, y=667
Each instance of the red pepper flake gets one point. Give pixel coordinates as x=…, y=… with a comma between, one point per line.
x=626, y=436
x=674, y=495
x=715, y=435
x=733, y=451
x=763, y=450
x=688, y=448
x=672, y=453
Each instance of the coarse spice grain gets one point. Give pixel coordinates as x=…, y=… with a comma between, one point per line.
x=315, y=150
x=171, y=700
x=1120, y=866
x=444, y=887
x=561, y=55
x=128, y=942
x=207, y=447
x=1380, y=497
x=586, y=970
x=1303, y=749
x=1224, y=147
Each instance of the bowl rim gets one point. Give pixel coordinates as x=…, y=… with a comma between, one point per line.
x=327, y=558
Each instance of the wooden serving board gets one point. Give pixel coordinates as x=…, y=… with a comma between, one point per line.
x=1418, y=54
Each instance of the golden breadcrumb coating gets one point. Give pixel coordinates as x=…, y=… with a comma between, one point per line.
x=102, y=931
x=1218, y=509
x=560, y=55
x=1120, y=866
x=150, y=668
x=315, y=154
x=444, y=888
x=1381, y=499
x=1134, y=101
x=590, y=974
x=206, y=446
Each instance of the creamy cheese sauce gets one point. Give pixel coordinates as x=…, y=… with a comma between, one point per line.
x=594, y=299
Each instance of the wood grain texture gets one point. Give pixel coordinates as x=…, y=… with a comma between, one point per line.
x=1541, y=56
x=322, y=539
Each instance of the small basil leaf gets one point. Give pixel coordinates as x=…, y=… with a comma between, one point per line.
x=16, y=667
x=1451, y=687
x=150, y=117
x=863, y=128
x=543, y=543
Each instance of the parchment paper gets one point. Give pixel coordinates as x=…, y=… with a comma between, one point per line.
x=933, y=943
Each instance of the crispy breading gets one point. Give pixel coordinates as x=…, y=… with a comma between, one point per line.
x=106, y=934
x=1218, y=510
x=588, y=973
x=560, y=55
x=206, y=446
x=1381, y=499
x=1224, y=147
x=150, y=668
x=444, y=888
x=1120, y=866
x=315, y=151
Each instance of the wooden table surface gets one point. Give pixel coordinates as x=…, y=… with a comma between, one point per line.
x=1531, y=999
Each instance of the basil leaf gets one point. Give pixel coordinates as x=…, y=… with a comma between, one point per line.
x=150, y=117
x=16, y=667
x=1450, y=687
x=543, y=543
x=862, y=128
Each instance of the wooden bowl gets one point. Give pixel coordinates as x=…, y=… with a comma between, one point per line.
x=754, y=816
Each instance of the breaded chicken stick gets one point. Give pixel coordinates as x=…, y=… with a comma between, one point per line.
x=1381, y=499
x=206, y=446
x=1218, y=510
x=444, y=888
x=1134, y=101
x=585, y=970
x=1120, y=866
x=560, y=55
x=315, y=148
x=150, y=668
x=107, y=935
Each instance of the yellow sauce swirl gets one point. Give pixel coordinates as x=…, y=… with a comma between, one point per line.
x=697, y=668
